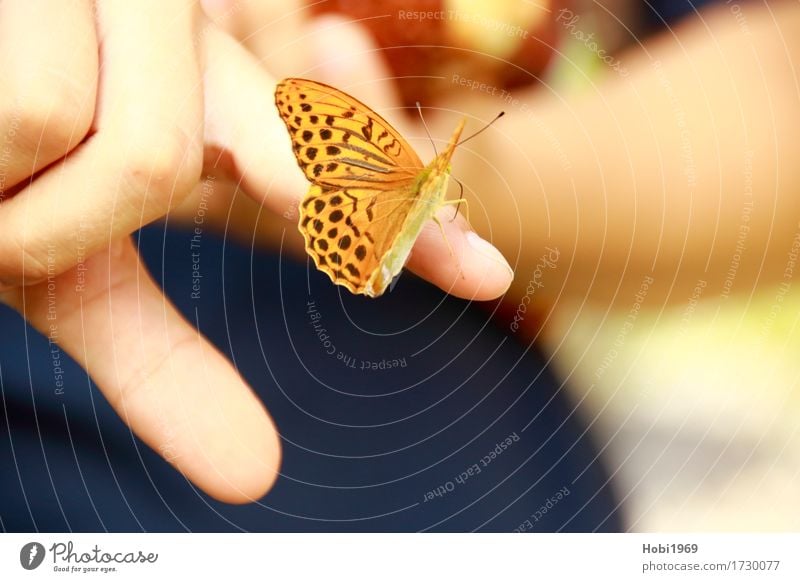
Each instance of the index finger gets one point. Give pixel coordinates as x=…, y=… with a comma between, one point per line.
x=460, y=262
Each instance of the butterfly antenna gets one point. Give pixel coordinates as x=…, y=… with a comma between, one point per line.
x=425, y=125
x=484, y=128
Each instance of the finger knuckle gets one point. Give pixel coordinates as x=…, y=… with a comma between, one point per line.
x=49, y=117
x=161, y=168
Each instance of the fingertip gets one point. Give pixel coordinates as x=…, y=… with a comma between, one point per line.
x=264, y=458
x=238, y=460
x=487, y=259
x=460, y=262
x=244, y=475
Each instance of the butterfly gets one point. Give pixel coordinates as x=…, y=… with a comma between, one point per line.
x=370, y=194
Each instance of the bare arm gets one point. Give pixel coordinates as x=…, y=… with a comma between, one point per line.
x=687, y=169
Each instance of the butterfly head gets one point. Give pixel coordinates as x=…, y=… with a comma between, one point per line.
x=442, y=163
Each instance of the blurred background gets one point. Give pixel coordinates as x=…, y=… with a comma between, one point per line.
x=687, y=420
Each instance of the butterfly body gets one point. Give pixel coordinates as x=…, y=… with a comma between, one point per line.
x=429, y=191
x=370, y=195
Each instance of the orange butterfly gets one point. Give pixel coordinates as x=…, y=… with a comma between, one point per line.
x=370, y=194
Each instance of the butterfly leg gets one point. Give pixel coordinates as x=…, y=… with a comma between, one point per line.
x=457, y=202
x=449, y=246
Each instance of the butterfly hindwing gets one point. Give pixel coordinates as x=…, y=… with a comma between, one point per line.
x=348, y=231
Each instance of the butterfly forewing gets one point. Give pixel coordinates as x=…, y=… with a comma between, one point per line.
x=338, y=140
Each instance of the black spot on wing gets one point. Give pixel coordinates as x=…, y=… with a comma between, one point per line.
x=392, y=145
x=356, y=231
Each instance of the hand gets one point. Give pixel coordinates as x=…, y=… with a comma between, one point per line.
x=107, y=119
x=341, y=53
x=102, y=130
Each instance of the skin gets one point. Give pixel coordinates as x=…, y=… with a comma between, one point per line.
x=644, y=175
x=632, y=202
x=111, y=111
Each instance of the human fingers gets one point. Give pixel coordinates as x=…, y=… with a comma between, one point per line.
x=242, y=123
x=241, y=119
x=165, y=380
x=238, y=120
x=448, y=253
x=143, y=159
x=48, y=71
x=456, y=259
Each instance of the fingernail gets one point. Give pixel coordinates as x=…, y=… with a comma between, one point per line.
x=488, y=250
